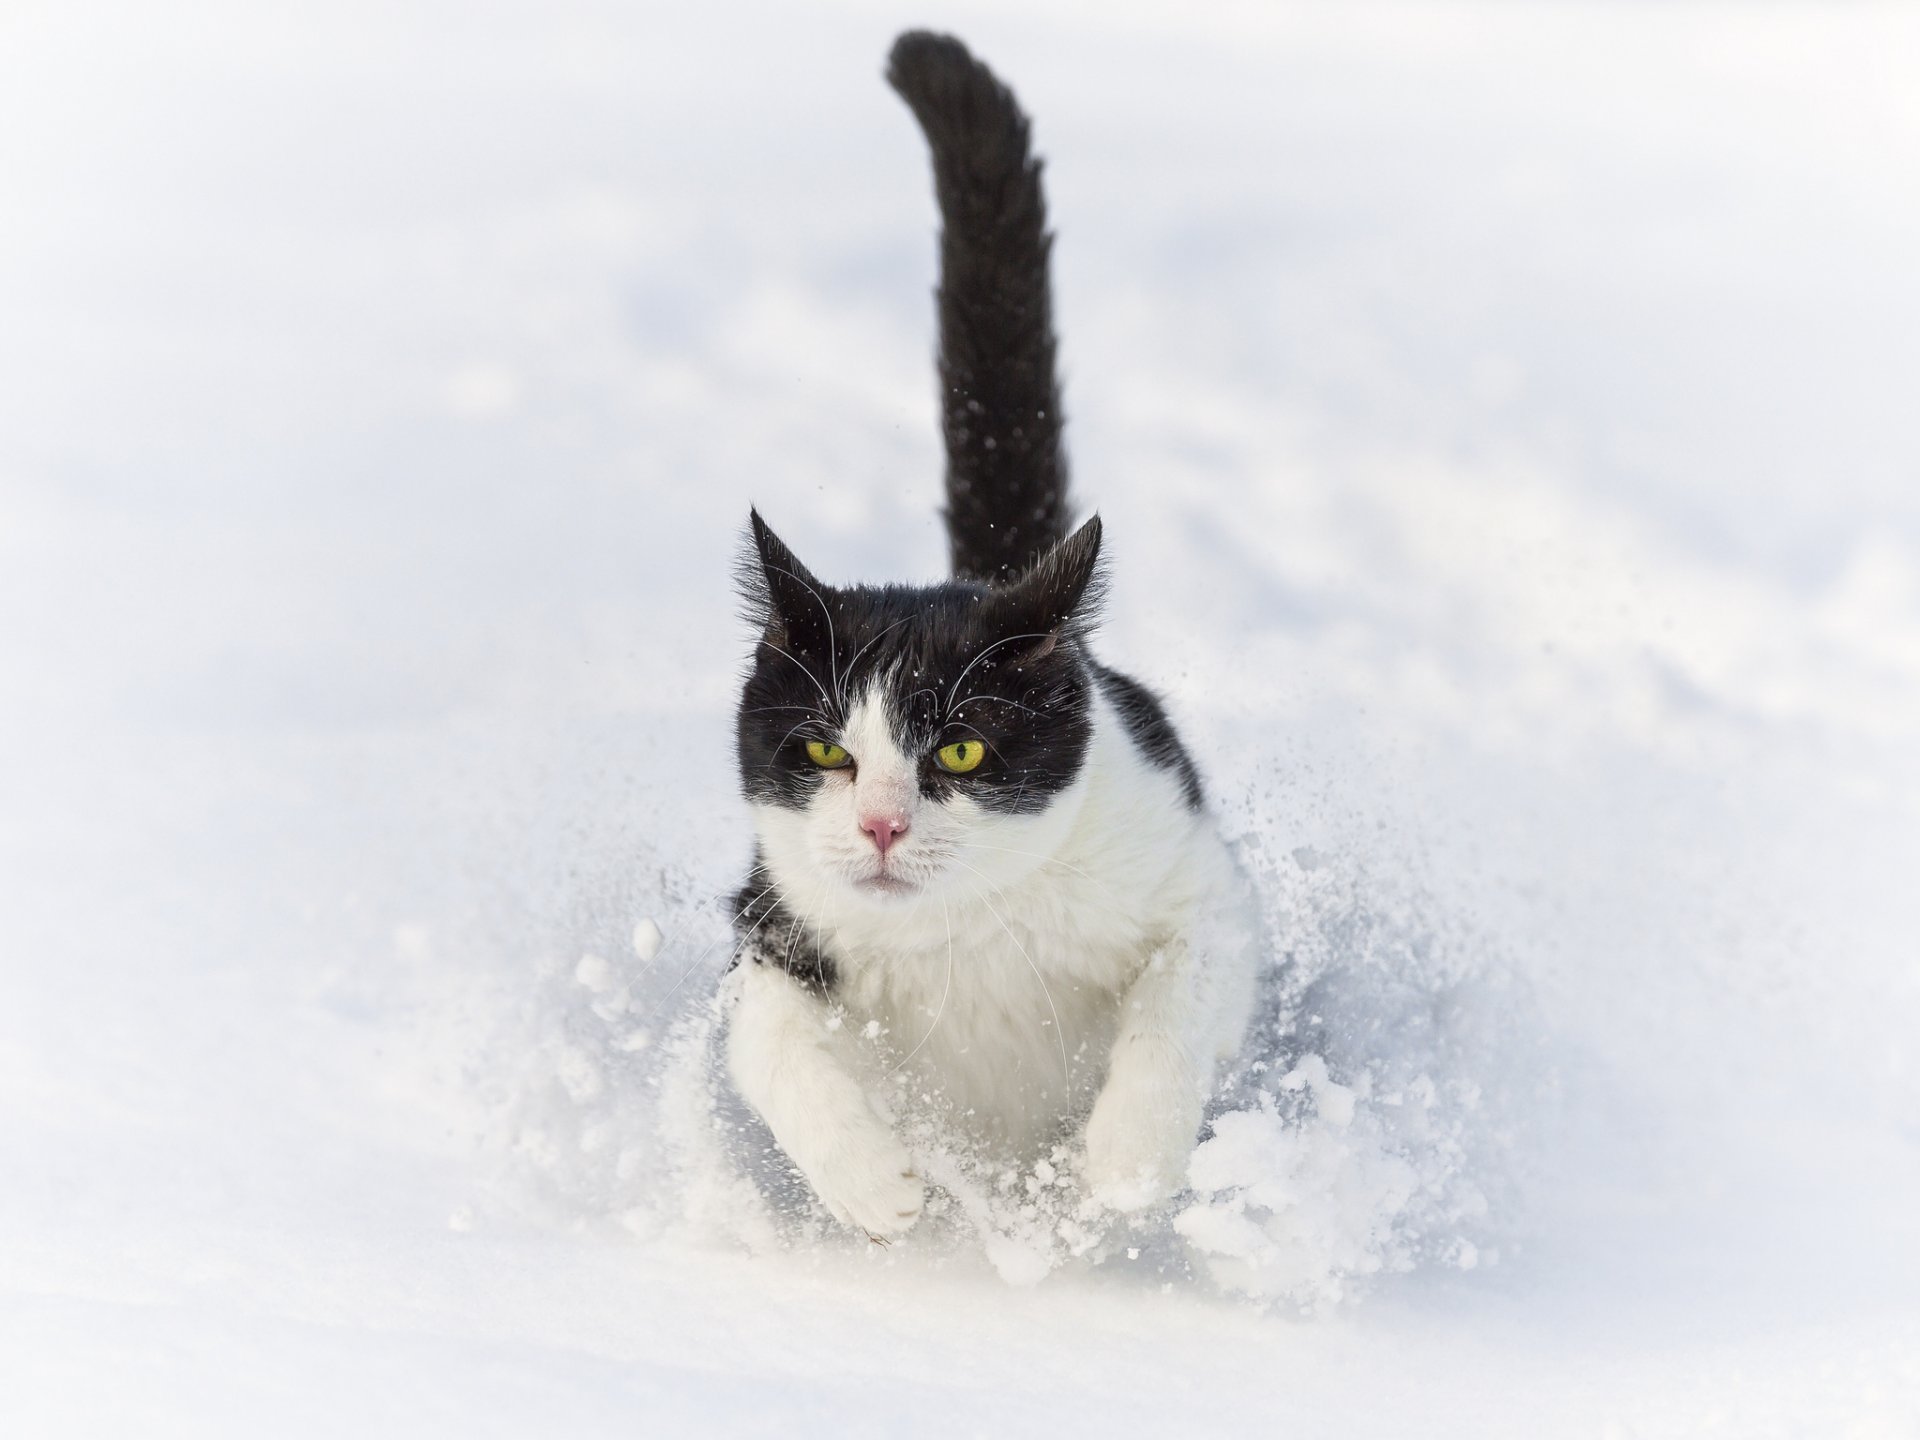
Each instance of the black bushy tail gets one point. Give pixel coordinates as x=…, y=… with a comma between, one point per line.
x=1006, y=471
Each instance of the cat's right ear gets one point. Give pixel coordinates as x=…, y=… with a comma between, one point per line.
x=782, y=596
x=1058, y=595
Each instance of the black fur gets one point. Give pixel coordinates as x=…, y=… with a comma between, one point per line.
x=959, y=660
x=774, y=936
x=1152, y=732
x=1000, y=401
x=999, y=653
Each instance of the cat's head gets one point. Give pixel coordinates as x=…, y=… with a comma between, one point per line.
x=900, y=742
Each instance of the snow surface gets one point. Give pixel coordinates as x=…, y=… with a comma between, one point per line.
x=1502, y=417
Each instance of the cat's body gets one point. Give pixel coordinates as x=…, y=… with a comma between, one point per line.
x=982, y=856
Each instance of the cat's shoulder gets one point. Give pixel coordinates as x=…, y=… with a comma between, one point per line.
x=1143, y=716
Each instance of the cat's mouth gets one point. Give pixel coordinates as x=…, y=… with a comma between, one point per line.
x=883, y=883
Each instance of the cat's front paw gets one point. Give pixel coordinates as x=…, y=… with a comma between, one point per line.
x=868, y=1181
x=1136, y=1152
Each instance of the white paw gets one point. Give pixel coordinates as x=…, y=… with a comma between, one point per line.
x=1136, y=1153
x=868, y=1181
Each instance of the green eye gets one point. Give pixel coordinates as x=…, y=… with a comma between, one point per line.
x=961, y=756
x=826, y=756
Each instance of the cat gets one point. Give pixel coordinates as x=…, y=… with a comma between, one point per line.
x=983, y=858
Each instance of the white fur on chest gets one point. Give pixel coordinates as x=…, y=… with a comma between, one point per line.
x=997, y=991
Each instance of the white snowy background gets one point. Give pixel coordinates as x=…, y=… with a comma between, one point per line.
x=1505, y=423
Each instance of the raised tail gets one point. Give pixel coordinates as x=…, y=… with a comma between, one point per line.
x=1000, y=400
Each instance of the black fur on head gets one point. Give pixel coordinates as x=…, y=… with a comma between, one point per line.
x=955, y=661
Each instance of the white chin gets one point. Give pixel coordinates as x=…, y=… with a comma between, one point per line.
x=885, y=886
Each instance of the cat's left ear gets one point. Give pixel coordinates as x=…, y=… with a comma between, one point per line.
x=1059, y=595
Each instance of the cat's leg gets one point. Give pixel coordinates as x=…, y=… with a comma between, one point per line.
x=1143, y=1125
x=782, y=1057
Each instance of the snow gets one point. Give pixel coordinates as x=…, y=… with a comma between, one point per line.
x=646, y=940
x=1500, y=420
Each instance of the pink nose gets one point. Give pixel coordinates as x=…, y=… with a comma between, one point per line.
x=884, y=829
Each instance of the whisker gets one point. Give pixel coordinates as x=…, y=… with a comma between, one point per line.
x=1059, y=1034
x=803, y=670
x=946, y=990
x=732, y=920
x=820, y=904
x=1045, y=860
x=833, y=662
x=810, y=720
x=872, y=641
x=1001, y=699
x=923, y=690
x=983, y=655
x=962, y=725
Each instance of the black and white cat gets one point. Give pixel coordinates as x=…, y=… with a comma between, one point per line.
x=983, y=860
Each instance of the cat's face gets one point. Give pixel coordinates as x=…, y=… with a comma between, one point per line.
x=901, y=743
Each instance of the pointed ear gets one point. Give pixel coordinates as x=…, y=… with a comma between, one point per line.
x=782, y=594
x=1058, y=595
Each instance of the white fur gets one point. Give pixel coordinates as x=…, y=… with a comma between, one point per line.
x=783, y=1059
x=1034, y=964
